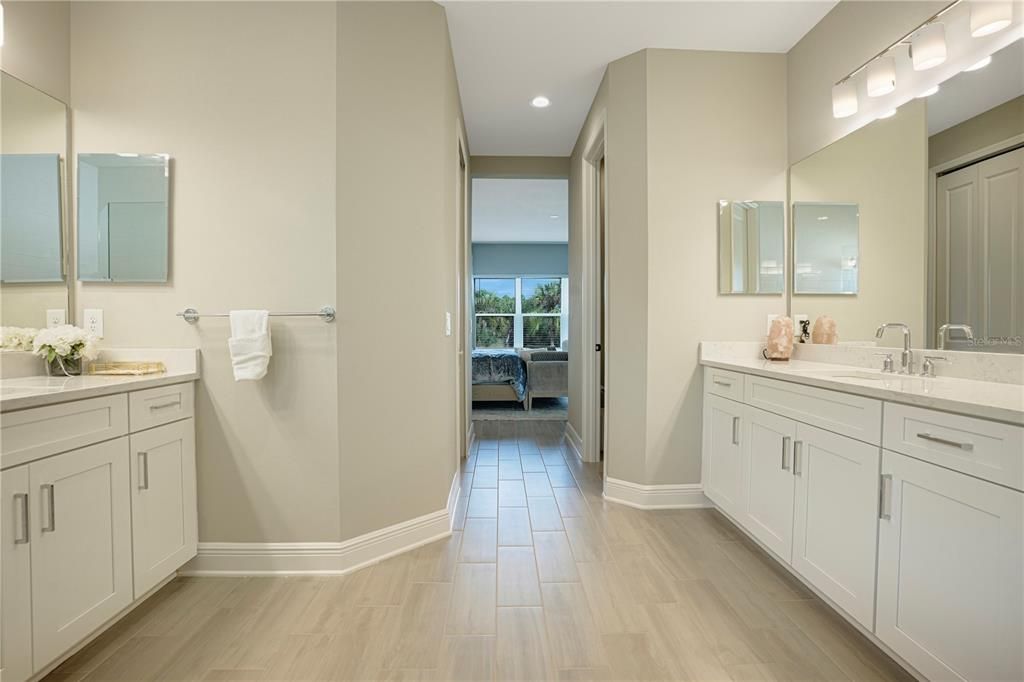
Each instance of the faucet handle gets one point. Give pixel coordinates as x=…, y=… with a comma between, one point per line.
x=928, y=366
x=887, y=365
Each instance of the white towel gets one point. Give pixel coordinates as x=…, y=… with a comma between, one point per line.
x=249, y=344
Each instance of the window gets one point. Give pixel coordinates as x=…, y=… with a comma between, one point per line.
x=520, y=312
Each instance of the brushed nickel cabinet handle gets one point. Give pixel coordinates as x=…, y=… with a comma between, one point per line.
x=735, y=430
x=720, y=382
x=785, y=451
x=143, y=470
x=945, y=441
x=161, y=406
x=885, y=498
x=798, y=455
x=21, y=499
x=51, y=505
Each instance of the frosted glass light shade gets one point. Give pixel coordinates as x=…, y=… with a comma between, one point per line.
x=989, y=17
x=928, y=47
x=882, y=76
x=844, y=100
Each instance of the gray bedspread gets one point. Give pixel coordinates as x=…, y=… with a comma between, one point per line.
x=500, y=367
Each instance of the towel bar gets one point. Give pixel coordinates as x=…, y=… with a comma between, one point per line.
x=191, y=315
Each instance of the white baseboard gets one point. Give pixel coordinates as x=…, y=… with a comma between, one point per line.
x=679, y=496
x=331, y=558
x=575, y=442
x=470, y=438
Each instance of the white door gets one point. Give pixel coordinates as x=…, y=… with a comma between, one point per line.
x=958, y=257
x=768, y=479
x=163, y=479
x=722, y=460
x=15, y=574
x=81, y=544
x=836, y=518
x=950, y=574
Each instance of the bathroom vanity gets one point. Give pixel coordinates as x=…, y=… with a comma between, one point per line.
x=99, y=503
x=897, y=498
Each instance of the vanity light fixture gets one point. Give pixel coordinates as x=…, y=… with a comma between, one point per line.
x=980, y=65
x=540, y=102
x=989, y=17
x=844, y=99
x=882, y=76
x=929, y=92
x=928, y=47
x=888, y=114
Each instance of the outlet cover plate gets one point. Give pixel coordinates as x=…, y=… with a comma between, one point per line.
x=93, y=321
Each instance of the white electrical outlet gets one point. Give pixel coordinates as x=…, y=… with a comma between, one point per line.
x=94, y=321
x=447, y=324
x=55, y=317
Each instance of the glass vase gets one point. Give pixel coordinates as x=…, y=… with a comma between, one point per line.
x=64, y=367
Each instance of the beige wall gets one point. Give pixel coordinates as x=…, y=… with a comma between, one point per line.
x=37, y=45
x=991, y=127
x=398, y=120
x=849, y=35
x=520, y=166
x=883, y=168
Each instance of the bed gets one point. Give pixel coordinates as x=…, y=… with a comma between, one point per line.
x=498, y=375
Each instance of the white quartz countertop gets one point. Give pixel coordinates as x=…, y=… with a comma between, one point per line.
x=36, y=391
x=985, y=399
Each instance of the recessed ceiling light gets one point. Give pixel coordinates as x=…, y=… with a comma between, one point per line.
x=980, y=65
x=540, y=101
x=888, y=114
x=554, y=217
x=823, y=217
x=929, y=92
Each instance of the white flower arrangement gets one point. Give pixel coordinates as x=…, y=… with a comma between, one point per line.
x=17, y=338
x=66, y=342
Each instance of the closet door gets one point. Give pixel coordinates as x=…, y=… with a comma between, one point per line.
x=959, y=262
x=1001, y=230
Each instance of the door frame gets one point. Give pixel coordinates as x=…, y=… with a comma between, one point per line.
x=932, y=246
x=464, y=434
x=590, y=313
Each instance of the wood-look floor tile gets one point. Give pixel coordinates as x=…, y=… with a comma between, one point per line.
x=728, y=635
x=648, y=582
x=483, y=503
x=466, y=658
x=514, y=526
x=553, y=459
x=570, y=502
x=771, y=579
x=487, y=458
x=474, y=600
x=532, y=463
x=544, y=513
x=416, y=640
x=554, y=558
x=518, y=584
x=485, y=477
x=632, y=656
x=511, y=494
x=522, y=645
x=560, y=477
x=435, y=562
x=479, y=541
x=506, y=452
x=537, y=484
x=572, y=633
x=586, y=540
x=387, y=582
x=611, y=604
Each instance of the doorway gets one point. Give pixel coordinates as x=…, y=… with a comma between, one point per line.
x=464, y=426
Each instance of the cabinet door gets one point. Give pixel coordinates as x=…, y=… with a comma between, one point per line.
x=15, y=577
x=768, y=479
x=836, y=519
x=722, y=453
x=164, y=531
x=950, y=574
x=81, y=544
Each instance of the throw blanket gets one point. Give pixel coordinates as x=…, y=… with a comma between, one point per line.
x=500, y=367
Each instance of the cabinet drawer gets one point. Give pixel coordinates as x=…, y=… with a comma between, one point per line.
x=161, y=405
x=43, y=431
x=724, y=383
x=989, y=450
x=843, y=413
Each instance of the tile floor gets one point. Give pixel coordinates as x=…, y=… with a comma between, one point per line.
x=542, y=579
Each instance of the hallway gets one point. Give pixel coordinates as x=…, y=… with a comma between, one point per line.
x=541, y=579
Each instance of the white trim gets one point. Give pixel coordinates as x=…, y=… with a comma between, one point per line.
x=574, y=440
x=288, y=558
x=470, y=438
x=590, y=315
x=639, y=496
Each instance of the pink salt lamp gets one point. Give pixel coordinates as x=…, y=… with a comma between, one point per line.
x=825, y=331
x=780, y=339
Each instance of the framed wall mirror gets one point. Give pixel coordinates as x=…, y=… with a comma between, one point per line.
x=123, y=217
x=825, y=248
x=751, y=247
x=33, y=149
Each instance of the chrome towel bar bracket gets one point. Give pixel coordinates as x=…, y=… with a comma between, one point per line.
x=191, y=315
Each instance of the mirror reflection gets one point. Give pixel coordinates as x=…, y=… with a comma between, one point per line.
x=33, y=144
x=122, y=217
x=751, y=247
x=825, y=239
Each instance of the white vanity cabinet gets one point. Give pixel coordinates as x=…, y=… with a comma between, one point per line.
x=87, y=531
x=768, y=484
x=722, y=452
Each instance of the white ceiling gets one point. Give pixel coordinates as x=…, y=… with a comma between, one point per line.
x=514, y=210
x=506, y=53
x=972, y=92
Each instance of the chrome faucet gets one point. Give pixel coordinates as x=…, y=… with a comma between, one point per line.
x=907, y=357
x=946, y=328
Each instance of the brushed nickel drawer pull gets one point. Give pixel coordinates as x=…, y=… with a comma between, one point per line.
x=51, y=526
x=785, y=450
x=719, y=382
x=161, y=406
x=798, y=452
x=885, y=498
x=735, y=430
x=24, y=537
x=143, y=470
x=945, y=441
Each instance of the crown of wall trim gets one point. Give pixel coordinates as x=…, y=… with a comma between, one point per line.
x=638, y=496
x=327, y=558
